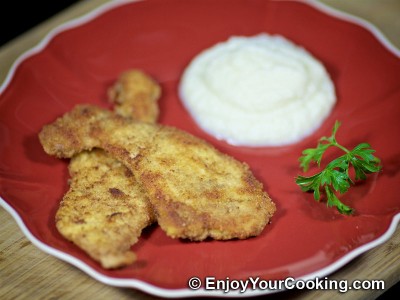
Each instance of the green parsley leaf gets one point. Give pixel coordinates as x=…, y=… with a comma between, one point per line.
x=335, y=177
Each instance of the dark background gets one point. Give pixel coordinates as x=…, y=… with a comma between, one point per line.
x=16, y=17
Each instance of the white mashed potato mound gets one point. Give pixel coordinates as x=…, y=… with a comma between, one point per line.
x=257, y=91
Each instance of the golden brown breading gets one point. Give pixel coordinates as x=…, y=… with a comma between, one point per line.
x=104, y=210
x=135, y=95
x=196, y=191
x=80, y=129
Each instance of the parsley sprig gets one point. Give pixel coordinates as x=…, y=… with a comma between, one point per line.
x=335, y=177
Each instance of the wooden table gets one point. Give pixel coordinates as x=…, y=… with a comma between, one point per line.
x=28, y=273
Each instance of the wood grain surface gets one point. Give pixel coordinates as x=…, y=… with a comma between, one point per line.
x=28, y=273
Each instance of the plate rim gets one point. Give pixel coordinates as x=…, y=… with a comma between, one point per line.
x=186, y=292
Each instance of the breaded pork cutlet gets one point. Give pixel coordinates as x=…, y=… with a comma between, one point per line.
x=105, y=208
x=196, y=191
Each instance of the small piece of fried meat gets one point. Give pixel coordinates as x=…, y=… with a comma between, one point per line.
x=135, y=95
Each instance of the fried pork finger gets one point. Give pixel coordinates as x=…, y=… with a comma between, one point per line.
x=196, y=191
x=105, y=210
x=135, y=95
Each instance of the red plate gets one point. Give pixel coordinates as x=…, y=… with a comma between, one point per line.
x=78, y=61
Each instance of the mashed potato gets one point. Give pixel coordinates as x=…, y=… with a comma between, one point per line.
x=257, y=91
